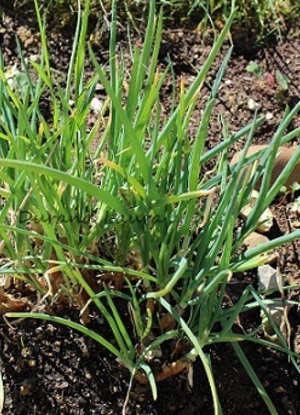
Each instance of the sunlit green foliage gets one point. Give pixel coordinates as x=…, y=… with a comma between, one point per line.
x=137, y=205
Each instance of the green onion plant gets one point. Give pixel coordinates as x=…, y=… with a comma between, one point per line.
x=139, y=206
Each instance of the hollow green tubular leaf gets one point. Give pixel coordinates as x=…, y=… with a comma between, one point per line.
x=249, y=259
x=77, y=182
x=78, y=327
x=171, y=284
x=200, y=77
x=253, y=376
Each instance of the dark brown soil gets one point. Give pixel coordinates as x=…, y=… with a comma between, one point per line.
x=52, y=370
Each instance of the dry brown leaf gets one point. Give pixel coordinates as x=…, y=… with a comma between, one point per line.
x=167, y=371
x=9, y=303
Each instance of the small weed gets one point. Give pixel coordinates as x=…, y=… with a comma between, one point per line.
x=253, y=67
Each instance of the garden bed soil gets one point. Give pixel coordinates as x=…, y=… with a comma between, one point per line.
x=51, y=370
